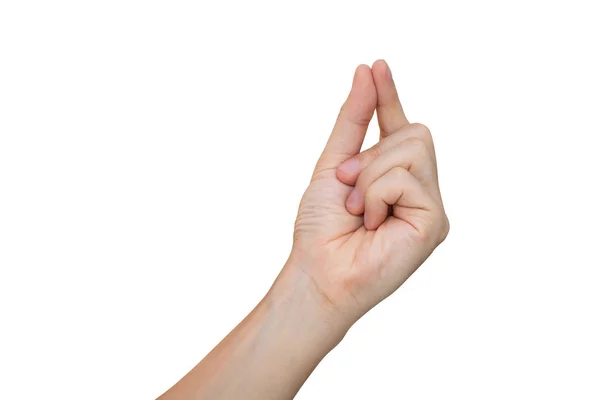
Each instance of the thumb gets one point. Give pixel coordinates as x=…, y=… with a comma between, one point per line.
x=353, y=120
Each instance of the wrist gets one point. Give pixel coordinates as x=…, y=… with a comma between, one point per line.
x=296, y=298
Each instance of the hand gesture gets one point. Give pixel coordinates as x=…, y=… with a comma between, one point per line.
x=369, y=219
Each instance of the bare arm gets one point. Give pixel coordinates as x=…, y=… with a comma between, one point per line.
x=272, y=351
x=366, y=222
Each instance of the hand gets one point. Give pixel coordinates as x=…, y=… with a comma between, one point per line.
x=368, y=220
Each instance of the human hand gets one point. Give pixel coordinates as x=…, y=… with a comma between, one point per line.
x=369, y=219
x=366, y=222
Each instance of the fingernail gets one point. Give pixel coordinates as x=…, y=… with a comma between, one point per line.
x=350, y=167
x=354, y=199
x=355, y=77
x=388, y=70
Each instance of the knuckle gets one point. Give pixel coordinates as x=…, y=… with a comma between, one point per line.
x=371, y=195
x=421, y=131
x=369, y=198
x=374, y=152
x=436, y=227
x=349, y=113
x=440, y=226
x=445, y=229
x=361, y=120
x=366, y=177
x=421, y=128
x=418, y=145
x=400, y=173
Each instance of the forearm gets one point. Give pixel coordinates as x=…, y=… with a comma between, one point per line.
x=272, y=351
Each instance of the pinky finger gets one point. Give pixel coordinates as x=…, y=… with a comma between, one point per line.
x=397, y=187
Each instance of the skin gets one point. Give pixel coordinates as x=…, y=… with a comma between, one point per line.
x=366, y=222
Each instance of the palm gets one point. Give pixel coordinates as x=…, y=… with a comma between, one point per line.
x=368, y=257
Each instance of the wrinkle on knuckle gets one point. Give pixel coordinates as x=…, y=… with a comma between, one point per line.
x=366, y=176
x=374, y=152
x=360, y=119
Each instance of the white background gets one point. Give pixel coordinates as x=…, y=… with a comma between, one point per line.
x=153, y=154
